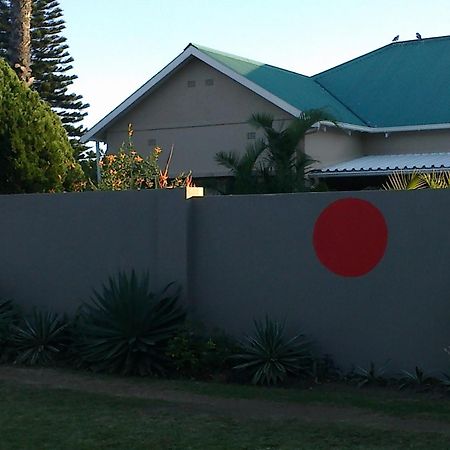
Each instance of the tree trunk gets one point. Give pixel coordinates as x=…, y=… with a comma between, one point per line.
x=21, y=38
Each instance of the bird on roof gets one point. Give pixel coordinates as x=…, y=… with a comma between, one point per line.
x=396, y=38
x=418, y=36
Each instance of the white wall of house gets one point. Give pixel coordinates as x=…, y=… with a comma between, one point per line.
x=407, y=142
x=330, y=146
x=200, y=112
x=199, y=121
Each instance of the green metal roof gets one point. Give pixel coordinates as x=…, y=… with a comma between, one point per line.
x=298, y=90
x=401, y=84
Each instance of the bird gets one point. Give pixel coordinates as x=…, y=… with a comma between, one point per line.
x=418, y=36
x=396, y=38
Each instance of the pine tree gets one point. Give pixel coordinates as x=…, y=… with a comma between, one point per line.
x=5, y=27
x=50, y=64
x=20, y=39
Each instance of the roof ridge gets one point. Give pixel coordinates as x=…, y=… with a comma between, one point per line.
x=241, y=58
x=341, y=102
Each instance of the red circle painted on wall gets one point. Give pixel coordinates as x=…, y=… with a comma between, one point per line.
x=350, y=237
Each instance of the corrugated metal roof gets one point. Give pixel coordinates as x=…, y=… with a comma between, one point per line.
x=401, y=84
x=379, y=164
x=296, y=89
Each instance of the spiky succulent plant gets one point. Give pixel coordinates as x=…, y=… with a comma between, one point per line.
x=125, y=328
x=269, y=356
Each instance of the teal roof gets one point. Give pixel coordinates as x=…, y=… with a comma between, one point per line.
x=401, y=84
x=298, y=90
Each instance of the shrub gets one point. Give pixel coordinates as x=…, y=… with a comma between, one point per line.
x=125, y=328
x=35, y=153
x=196, y=353
x=129, y=170
x=8, y=317
x=268, y=356
x=39, y=339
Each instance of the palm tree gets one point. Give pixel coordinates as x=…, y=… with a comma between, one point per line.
x=21, y=38
x=242, y=167
x=400, y=181
x=274, y=164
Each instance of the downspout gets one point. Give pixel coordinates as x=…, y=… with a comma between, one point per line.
x=97, y=159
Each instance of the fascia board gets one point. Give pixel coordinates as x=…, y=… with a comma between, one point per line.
x=373, y=130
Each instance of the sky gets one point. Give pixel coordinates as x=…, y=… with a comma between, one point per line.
x=118, y=45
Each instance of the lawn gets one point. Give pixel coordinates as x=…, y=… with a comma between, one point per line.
x=56, y=418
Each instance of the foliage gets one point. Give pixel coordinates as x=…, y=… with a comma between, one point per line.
x=371, y=376
x=197, y=354
x=244, y=168
x=39, y=339
x=129, y=170
x=125, y=328
x=324, y=369
x=51, y=64
x=417, y=379
x=35, y=154
x=274, y=164
x=9, y=315
x=400, y=181
x=268, y=356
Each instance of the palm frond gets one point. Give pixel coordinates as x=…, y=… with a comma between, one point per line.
x=261, y=120
x=401, y=181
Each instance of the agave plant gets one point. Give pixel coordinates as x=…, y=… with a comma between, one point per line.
x=8, y=317
x=125, y=328
x=417, y=379
x=39, y=339
x=371, y=376
x=269, y=356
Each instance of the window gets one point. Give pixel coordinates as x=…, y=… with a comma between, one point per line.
x=209, y=82
x=191, y=83
x=251, y=135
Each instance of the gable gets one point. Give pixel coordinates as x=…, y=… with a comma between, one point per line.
x=196, y=95
x=198, y=121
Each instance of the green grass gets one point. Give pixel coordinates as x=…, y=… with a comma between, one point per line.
x=52, y=419
x=386, y=401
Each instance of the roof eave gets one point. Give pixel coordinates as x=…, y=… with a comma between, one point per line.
x=398, y=129
x=378, y=172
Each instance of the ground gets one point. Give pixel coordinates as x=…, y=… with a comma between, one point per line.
x=278, y=418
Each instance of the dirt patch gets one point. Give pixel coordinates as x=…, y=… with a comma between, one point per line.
x=197, y=403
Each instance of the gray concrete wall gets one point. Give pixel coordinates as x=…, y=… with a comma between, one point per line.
x=55, y=248
x=253, y=255
x=241, y=257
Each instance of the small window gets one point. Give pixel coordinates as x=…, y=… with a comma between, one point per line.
x=251, y=135
x=191, y=83
x=152, y=142
x=209, y=82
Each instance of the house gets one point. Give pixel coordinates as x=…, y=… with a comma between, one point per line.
x=392, y=108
